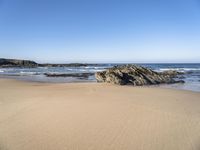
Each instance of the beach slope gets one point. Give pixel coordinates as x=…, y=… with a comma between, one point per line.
x=92, y=116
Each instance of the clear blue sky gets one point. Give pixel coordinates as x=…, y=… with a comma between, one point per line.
x=100, y=30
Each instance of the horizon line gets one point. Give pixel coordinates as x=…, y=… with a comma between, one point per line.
x=103, y=62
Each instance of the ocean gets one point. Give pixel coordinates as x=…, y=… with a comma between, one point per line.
x=191, y=76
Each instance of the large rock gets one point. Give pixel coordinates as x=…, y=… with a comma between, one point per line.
x=134, y=75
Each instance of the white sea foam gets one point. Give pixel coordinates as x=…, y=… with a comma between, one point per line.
x=28, y=73
x=82, y=70
x=180, y=69
x=1, y=71
x=70, y=69
x=96, y=70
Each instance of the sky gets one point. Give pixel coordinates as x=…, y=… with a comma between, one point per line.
x=138, y=31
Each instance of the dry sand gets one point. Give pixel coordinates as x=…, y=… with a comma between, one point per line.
x=91, y=116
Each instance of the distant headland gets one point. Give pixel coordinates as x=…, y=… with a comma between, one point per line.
x=5, y=63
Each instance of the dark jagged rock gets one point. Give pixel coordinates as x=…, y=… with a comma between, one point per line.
x=134, y=75
x=172, y=73
x=17, y=63
x=76, y=75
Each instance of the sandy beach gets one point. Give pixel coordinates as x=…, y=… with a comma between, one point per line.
x=93, y=116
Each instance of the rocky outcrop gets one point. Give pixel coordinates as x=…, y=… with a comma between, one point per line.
x=17, y=63
x=134, y=75
x=76, y=75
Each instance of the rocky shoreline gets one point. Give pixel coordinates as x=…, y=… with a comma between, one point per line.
x=136, y=76
x=121, y=75
x=7, y=63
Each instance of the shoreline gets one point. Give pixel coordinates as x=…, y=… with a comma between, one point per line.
x=96, y=116
x=162, y=86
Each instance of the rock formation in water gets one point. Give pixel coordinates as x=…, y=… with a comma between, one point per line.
x=135, y=75
x=76, y=75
